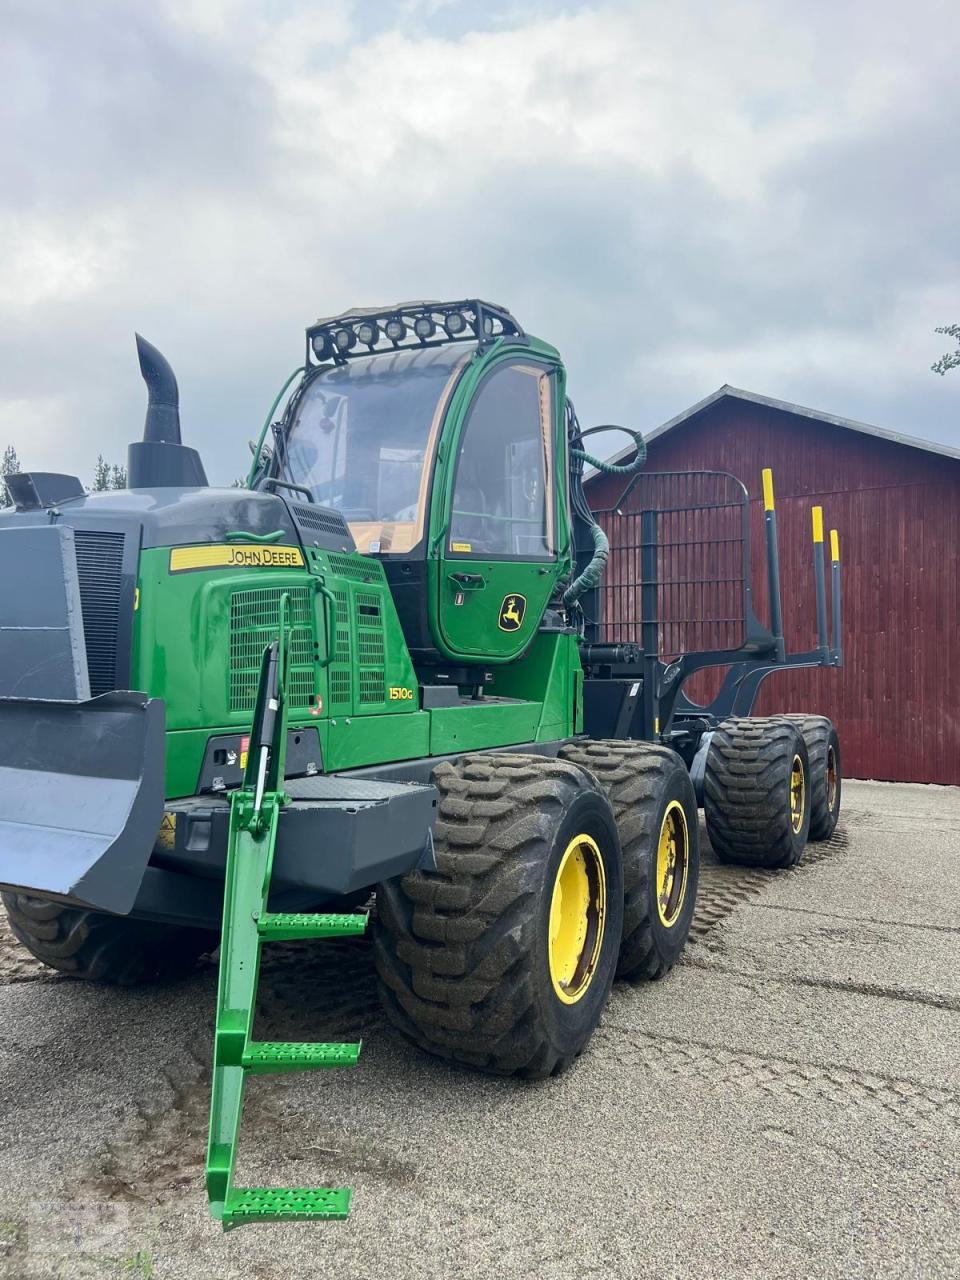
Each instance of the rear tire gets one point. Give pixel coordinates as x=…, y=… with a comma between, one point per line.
x=97, y=947
x=756, y=792
x=826, y=776
x=645, y=783
x=470, y=958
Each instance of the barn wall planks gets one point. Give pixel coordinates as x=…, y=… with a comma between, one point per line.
x=897, y=699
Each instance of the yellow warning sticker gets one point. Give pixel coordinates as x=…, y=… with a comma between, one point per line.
x=238, y=555
x=167, y=835
x=461, y=546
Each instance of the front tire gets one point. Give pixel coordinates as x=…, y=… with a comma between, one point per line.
x=504, y=957
x=756, y=792
x=655, y=808
x=97, y=947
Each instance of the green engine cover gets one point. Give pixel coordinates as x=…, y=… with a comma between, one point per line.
x=202, y=626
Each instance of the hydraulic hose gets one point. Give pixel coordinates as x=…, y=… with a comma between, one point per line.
x=254, y=465
x=609, y=468
x=591, y=575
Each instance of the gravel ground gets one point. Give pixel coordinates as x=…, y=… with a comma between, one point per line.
x=786, y=1103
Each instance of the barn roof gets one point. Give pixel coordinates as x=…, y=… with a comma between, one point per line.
x=752, y=397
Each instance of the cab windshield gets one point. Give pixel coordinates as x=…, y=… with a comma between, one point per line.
x=363, y=437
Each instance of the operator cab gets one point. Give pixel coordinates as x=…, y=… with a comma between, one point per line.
x=440, y=451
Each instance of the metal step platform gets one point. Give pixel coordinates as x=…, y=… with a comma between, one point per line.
x=247, y=924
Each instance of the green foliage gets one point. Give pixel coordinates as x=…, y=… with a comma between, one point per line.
x=9, y=466
x=101, y=475
x=141, y=1263
x=106, y=476
x=952, y=358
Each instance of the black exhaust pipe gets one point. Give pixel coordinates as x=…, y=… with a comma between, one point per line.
x=162, y=425
x=159, y=460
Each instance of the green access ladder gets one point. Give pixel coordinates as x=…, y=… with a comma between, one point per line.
x=247, y=924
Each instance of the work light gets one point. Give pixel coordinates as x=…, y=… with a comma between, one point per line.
x=344, y=339
x=368, y=332
x=395, y=329
x=321, y=345
x=454, y=324
x=424, y=327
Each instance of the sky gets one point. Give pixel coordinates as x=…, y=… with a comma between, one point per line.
x=676, y=194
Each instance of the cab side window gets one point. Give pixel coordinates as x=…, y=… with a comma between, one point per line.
x=503, y=493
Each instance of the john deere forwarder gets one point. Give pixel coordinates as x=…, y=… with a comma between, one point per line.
x=403, y=659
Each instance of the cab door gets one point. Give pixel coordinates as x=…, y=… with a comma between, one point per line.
x=498, y=563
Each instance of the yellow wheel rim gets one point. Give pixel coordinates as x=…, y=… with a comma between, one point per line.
x=673, y=853
x=577, y=915
x=832, y=778
x=798, y=794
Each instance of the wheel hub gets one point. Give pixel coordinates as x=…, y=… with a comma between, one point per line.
x=672, y=860
x=798, y=788
x=577, y=914
x=831, y=779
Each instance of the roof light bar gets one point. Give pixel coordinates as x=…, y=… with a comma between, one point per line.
x=407, y=326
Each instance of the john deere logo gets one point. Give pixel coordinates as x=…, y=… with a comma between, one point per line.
x=511, y=612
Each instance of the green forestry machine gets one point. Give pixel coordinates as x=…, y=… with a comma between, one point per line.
x=406, y=658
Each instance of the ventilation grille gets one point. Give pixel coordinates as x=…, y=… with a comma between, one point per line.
x=359, y=568
x=321, y=520
x=100, y=570
x=254, y=623
x=341, y=692
x=370, y=647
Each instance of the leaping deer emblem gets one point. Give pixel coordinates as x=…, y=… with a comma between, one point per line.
x=511, y=613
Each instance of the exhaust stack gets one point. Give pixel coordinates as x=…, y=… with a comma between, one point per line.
x=162, y=425
x=159, y=460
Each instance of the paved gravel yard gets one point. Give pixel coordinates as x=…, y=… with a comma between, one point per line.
x=786, y=1103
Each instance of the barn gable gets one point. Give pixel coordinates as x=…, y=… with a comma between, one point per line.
x=896, y=504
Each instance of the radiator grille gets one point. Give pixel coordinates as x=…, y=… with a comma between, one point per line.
x=100, y=570
x=370, y=647
x=320, y=520
x=359, y=568
x=254, y=622
x=341, y=692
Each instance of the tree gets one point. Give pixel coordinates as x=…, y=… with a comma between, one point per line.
x=118, y=476
x=9, y=466
x=952, y=358
x=101, y=475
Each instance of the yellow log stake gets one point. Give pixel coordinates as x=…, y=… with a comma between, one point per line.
x=834, y=546
x=767, y=489
x=817, y=513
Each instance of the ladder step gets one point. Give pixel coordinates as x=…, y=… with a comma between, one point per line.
x=288, y=926
x=278, y=1204
x=264, y=1056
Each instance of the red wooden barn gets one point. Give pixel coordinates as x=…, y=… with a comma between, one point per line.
x=896, y=504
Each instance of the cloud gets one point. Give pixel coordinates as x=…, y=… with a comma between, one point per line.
x=676, y=194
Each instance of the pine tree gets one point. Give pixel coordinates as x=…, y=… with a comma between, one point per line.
x=9, y=466
x=118, y=476
x=101, y=475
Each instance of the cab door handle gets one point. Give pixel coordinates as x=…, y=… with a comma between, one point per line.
x=467, y=581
